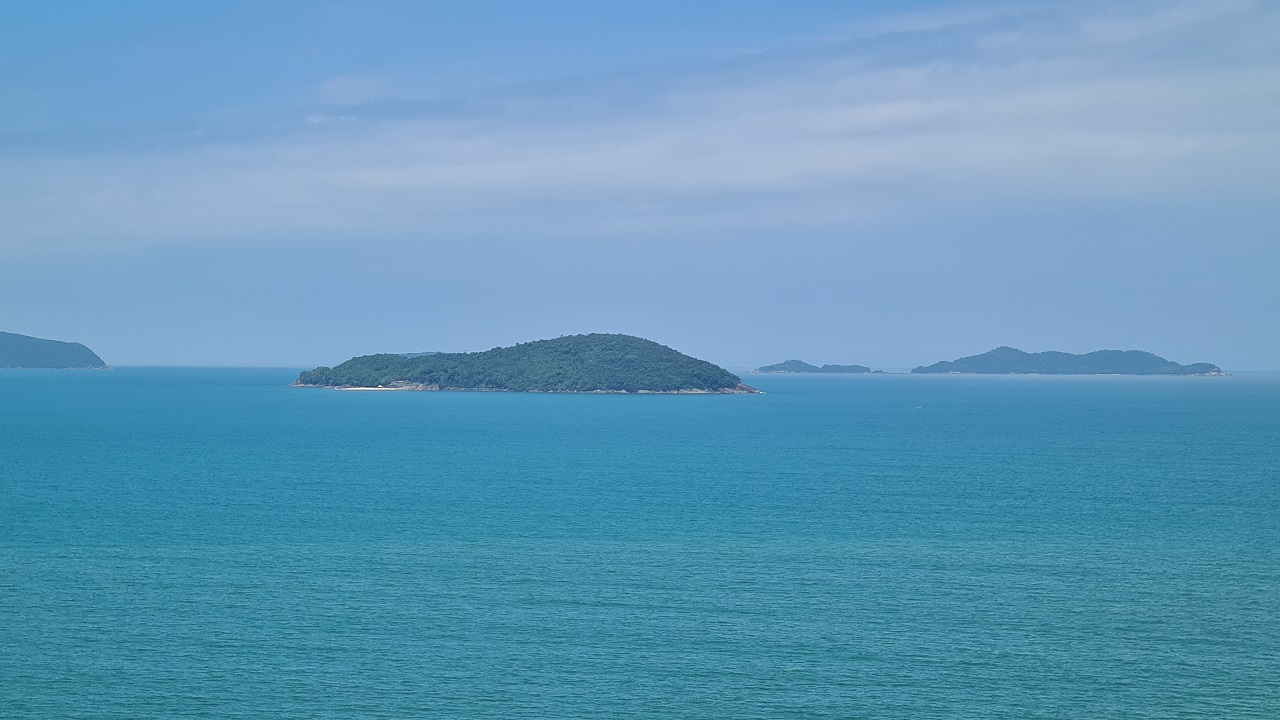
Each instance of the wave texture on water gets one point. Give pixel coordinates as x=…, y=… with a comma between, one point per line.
x=183, y=542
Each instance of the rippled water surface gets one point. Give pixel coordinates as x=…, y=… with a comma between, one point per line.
x=213, y=543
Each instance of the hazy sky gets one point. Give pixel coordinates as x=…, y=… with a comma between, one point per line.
x=883, y=183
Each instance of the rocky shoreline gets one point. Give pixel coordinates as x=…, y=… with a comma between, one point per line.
x=741, y=389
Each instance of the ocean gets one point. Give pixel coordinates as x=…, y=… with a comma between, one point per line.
x=213, y=543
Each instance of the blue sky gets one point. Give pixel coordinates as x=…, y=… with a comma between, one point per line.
x=880, y=183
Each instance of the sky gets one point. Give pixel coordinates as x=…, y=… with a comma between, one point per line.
x=881, y=183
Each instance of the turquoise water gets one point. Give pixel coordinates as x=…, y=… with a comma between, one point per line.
x=212, y=543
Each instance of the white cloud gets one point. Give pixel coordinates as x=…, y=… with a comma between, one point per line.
x=833, y=132
x=1126, y=24
x=355, y=89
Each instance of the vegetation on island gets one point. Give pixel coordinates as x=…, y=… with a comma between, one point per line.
x=576, y=363
x=799, y=366
x=22, y=351
x=1009, y=361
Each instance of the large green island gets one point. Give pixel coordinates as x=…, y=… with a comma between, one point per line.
x=30, y=353
x=595, y=363
x=1009, y=361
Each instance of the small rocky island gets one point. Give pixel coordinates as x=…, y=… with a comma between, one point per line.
x=799, y=366
x=1009, y=361
x=595, y=363
x=30, y=353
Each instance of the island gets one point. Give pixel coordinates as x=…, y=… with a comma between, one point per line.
x=1009, y=361
x=799, y=366
x=31, y=353
x=595, y=363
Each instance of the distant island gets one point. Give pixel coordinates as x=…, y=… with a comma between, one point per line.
x=1009, y=361
x=595, y=363
x=29, y=353
x=799, y=366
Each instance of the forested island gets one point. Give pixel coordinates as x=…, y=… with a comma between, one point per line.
x=30, y=353
x=595, y=363
x=1009, y=361
x=799, y=366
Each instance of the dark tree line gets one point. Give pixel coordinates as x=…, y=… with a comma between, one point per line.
x=577, y=363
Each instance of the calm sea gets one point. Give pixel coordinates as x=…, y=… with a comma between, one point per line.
x=212, y=543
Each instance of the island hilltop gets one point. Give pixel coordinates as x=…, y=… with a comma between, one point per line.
x=29, y=353
x=1009, y=361
x=595, y=363
x=799, y=366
